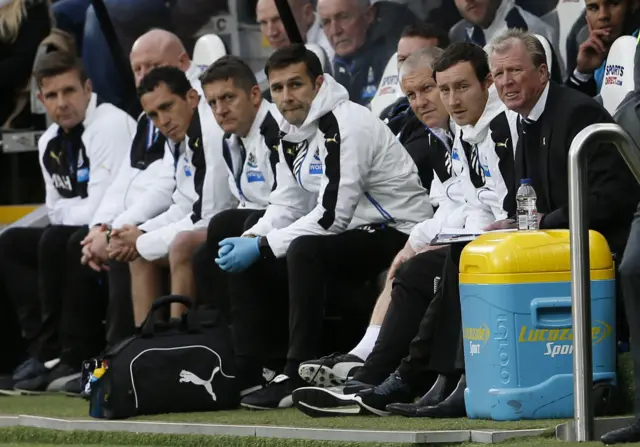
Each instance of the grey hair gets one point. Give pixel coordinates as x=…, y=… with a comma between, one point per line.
x=423, y=58
x=532, y=45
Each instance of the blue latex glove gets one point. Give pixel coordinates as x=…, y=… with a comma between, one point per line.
x=243, y=253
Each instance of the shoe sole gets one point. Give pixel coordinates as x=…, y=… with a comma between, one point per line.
x=287, y=402
x=58, y=385
x=9, y=393
x=323, y=376
x=323, y=402
x=30, y=393
x=370, y=409
x=315, y=412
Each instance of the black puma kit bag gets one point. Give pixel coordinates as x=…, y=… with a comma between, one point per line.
x=186, y=366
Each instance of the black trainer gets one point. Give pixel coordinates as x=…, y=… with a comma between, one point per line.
x=29, y=369
x=375, y=400
x=277, y=394
x=57, y=376
x=330, y=371
x=624, y=435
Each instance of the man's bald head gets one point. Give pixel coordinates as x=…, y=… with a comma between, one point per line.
x=157, y=48
x=271, y=25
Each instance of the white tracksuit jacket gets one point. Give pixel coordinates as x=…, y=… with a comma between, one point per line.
x=202, y=189
x=252, y=175
x=144, y=184
x=79, y=166
x=346, y=161
x=145, y=180
x=474, y=199
x=492, y=142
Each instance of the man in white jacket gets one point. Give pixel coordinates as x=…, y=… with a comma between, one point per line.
x=141, y=190
x=427, y=308
x=202, y=190
x=79, y=156
x=252, y=127
x=367, y=197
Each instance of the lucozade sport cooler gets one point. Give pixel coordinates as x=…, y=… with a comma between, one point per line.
x=515, y=295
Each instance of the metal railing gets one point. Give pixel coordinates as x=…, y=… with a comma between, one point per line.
x=580, y=268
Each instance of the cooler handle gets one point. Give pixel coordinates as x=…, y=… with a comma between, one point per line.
x=551, y=313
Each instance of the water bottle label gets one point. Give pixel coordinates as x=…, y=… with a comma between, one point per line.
x=523, y=221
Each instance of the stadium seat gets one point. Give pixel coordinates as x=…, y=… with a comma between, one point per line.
x=618, y=73
x=547, y=50
x=322, y=55
x=389, y=88
x=562, y=18
x=209, y=48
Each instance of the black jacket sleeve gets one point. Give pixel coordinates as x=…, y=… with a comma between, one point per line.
x=589, y=88
x=612, y=190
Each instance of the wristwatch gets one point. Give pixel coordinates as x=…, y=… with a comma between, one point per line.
x=264, y=248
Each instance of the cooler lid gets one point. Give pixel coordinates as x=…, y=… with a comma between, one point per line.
x=529, y=252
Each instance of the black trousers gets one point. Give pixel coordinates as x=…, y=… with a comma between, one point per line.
x=438, y=345
x=259, y=301
x=19, y=277
x=629, y=272
x=212, y=286
x=83, y=307
x=45, y=250
x=120, y=322
x=414, y=302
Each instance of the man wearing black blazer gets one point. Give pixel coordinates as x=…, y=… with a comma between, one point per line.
x=551, y=116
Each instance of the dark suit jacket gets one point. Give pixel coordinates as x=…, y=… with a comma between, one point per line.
x=613, y=193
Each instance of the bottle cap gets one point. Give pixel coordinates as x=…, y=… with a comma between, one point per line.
x=525, y=181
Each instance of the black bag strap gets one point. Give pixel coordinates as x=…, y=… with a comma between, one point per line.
x=148, y=326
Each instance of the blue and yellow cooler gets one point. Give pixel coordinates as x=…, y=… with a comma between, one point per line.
x=517, y=329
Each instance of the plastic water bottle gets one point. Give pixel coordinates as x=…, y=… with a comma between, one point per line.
x=526, y=202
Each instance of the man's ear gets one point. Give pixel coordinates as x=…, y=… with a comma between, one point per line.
x=488, y=81
x=319, y=82
x=370, y=15
x=88, y=86
x=543, y=71
x=193, y=98
x=256, y=95
x=184, y=61
x=309, y=15
x=40, y=97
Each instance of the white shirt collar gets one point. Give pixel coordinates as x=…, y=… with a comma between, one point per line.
x=537, y=110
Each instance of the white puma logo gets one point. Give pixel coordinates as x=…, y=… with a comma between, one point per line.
x=189, y=377
x=332, y=140
x=503, y=144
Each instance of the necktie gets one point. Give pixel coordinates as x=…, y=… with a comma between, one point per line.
x=477, y=36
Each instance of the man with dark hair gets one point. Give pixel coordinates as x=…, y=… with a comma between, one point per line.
x=140, y=191
x=79, y=156
x=252, y=134
x=202, y=190
x=606, y=21
x=482, y=160
x=367, y=198
x=414, y=37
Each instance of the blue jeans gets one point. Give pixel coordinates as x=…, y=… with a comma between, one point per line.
x=131, y=19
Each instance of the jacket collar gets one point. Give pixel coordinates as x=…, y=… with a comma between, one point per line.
x=478, y=132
